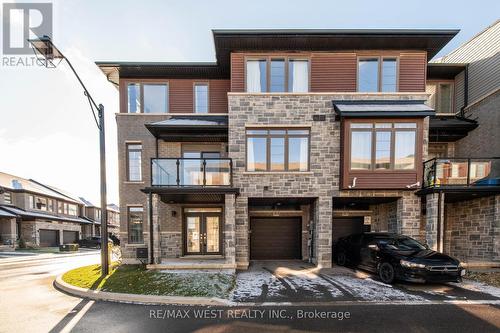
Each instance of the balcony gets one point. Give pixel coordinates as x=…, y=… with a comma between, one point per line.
x=473, y=173
x=191, y=172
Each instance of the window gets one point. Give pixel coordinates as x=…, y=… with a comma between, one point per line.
x=135, y=224
x=134, y=160
x=60, y=207
x=41, y=203
x=201, y=98
x=377, y=74
x=281, y=74
x=7, y=197
x=155, y=98
x=72, y=209
x=134, y=98
x=50, y=206
x=31, y=202
x=444, y=98
x=147, y=97
x=383, y=146
x=277, y=150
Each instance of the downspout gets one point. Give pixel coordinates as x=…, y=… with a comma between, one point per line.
x=151, y=242
x=466, y=91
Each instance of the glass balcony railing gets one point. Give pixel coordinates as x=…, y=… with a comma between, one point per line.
x=461, y=172
x=196, y=172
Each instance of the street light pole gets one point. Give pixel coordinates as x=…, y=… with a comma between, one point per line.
x=104, y=208
x=46, y=50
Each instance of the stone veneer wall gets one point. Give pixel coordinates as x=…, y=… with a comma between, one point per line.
x=30, y=229
x=384, y=217
x=473, y=229
x=322, y=180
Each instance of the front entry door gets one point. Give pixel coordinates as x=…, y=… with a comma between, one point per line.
x=203, y=233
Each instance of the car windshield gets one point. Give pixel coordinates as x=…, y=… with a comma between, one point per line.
x=404, y=244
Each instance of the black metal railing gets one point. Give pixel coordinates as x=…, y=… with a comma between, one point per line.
x=194, y=172
x=461, y=172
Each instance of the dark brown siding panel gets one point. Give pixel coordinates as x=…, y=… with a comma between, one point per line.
x=412, y=69
x=379, y=180
x=237, y=72
x=333, y=72
x=181, y=96
x=218, y=95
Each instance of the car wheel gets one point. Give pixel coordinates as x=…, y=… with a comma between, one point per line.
x=386, y=273
x=341, y=259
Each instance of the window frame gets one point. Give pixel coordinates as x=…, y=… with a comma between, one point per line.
x=9, y=196
x=201, y=83
x=141, y=84
x=438, y=97
x=348, y=136
x=268, y=58
x=380, y=59
x=129, y=224
x=286, y=137
x=127, y=161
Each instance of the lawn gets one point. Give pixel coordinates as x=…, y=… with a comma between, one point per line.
x=135, y=279
x=491, y=278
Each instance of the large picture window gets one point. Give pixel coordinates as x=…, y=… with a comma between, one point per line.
x=134, y=161
x=383, y=146
x=135, y=224
x=377, y=74
x=147, y=97
x=277, y=74
x=277, y=149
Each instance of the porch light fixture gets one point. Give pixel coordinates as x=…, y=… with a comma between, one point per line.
x=50, y=56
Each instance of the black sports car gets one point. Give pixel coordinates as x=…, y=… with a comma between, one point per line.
x=394, y=256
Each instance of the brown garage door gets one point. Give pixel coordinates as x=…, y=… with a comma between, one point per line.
x=275, y=238
x=70, y=237
x=49, y=238
x=345, y=226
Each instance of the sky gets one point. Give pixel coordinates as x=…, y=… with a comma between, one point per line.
x=46, y=129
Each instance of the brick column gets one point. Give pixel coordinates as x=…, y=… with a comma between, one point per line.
x=230, y=229
x=434, y=220
x=408, y=215
x=323, y=232
x=242, y=226
x=156, y=228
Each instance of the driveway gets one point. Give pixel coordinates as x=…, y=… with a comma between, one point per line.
x=298, y=282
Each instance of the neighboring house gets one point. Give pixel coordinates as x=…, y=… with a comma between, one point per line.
x=37, y=213
x=462, y=180
x=290, y=140
x=93, y=214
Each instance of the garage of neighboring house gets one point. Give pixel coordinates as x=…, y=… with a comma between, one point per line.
x=49, y=238
x=70, y=237
x=275, y=238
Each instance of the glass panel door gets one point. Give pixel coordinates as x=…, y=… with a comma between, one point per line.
x=212, y=234
x=193, y=234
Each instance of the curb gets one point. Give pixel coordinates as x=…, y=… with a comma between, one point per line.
x=136, y=298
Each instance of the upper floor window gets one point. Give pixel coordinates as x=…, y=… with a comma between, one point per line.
x=277, y=74
x=147, y=97
x=7, y=197
x=134, y=160
x=377, y=74
x=40, y=203
x=201, y=98
x=277, y=149
x=383, y=146
x=444, y=98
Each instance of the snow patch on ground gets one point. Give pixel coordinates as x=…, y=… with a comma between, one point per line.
x=250, y=284
x=479, y=287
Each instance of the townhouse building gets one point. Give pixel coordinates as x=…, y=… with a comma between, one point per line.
x=290, y=140
x=45, y=216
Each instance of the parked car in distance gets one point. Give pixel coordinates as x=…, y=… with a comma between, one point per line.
x=94, y=241
x=396, y=257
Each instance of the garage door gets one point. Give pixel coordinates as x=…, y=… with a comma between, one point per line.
x=275, y=238
x=70, y=237
x=346, y=226
x=49, y=238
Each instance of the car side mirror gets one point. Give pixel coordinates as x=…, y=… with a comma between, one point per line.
x=373, y=247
